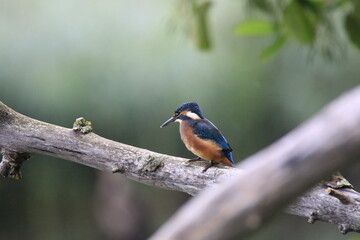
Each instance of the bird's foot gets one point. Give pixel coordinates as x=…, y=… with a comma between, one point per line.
x=196, y=159
x=212, y=163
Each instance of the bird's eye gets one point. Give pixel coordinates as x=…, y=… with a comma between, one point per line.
x=176, y=114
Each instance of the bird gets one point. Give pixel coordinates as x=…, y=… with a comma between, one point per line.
x=201, y=136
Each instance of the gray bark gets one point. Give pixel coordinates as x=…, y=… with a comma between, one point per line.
x=273, y=178
x=21, y=134
x=245, y=198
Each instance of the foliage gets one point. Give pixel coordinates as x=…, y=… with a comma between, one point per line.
x=194, y=14
x=317, y=24
x=308, y=22
x=116, y=64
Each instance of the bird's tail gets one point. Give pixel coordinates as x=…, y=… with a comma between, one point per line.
x=228, y=155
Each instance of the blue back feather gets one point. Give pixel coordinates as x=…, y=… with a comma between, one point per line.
x=228, y=155
x=207, y=130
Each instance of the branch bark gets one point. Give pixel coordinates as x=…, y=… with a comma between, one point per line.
x=21, y=134
x=271, y=178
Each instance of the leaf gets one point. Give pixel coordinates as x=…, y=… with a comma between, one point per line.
x=201, y=29
x=300, y=23
x=352, y=26
x=273, y=48
x=254, y=28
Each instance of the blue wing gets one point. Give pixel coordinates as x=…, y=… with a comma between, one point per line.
x=207, y=130
x=228, y=155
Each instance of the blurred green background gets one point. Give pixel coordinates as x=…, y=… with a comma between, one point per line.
x=126, y=65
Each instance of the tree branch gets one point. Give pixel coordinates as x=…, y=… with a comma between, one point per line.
x=272, y=178
x=320, y=204
x=22, y=134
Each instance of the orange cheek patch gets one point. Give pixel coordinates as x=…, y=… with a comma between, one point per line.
x=184, y=112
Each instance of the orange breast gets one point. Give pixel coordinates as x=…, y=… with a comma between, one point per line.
x=205, y=149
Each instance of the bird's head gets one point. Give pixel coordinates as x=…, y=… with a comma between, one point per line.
x=186, y=111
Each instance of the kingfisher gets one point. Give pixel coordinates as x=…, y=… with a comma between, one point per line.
x=200, y=136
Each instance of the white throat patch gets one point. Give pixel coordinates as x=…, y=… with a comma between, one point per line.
x=192, y=115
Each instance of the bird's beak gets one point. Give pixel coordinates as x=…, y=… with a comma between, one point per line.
x=167, y=122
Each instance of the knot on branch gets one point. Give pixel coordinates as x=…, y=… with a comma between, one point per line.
x=5, y=114
x=149, y=163
x=343, y=197
x=338, y=187
x=82, y=125
x=344, y=228
x=11, y=163
x=118, y=169
x=313, y=217
x=337, y=181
